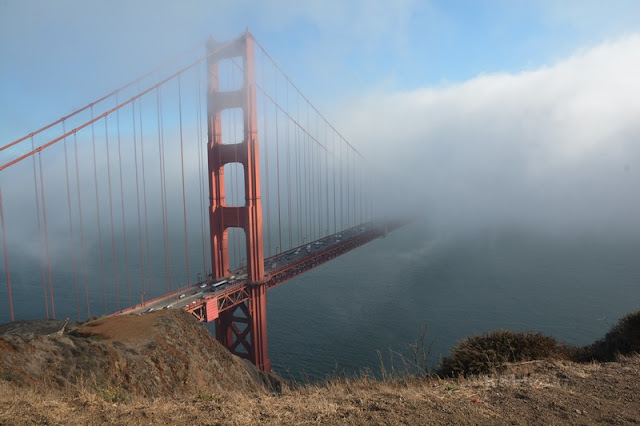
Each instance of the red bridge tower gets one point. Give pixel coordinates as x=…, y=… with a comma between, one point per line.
x=243, y=330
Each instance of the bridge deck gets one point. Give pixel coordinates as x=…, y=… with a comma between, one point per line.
x=206, y=299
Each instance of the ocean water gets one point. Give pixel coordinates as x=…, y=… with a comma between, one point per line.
x=377, y=298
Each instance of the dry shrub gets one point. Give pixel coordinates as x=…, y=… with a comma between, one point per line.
x=491, y=352
x=622, y=339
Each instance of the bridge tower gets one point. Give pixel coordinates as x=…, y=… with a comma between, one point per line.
x=243, y=330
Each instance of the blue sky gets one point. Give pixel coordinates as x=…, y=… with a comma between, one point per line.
x=533, y=101
x=58, y=55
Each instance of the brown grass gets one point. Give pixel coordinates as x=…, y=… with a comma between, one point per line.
x=543, y=392
x=136, y=329
x=181, y=376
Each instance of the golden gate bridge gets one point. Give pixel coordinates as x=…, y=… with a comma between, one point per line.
x=199, y=185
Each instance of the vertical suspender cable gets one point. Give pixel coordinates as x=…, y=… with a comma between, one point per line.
x=355, y=195
x=84, y=254
x=165, y=201
x=162, y=190
x=319, y=178
x=352, y=185
x=95, y=181
x=289, y=174
x=361, y=191
x=326, y=177
x=333, y=156
x=124, y=225
x=310, y=194
x=348, y=191
x=113, y=234
x=135, y=160
x=205, y=191
x=73, y=255
x=298, y=180
x=316, y=193
x=307, y=179
x=341, y=191
x=44, y=279
x=312, y=210
x=6, y=258
x=144, y=198
x=278, y=165
x=266, y=159
x=371, y=186
x=46, y=237
x=184, y=200
x=200, y=172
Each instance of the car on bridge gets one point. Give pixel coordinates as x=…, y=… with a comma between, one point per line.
x=218, y=284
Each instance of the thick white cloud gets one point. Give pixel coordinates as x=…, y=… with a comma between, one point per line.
x=554, y=147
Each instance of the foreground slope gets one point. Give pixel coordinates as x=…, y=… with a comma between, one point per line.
x=164, y=353
x=165, y=369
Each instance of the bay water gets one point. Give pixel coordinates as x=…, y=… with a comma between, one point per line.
x=380, y=298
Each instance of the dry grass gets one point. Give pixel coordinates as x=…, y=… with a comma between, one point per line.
x=123, y=328
x=174, y=373
x=535, y=392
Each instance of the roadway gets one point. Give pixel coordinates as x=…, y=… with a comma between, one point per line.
x=237, y=279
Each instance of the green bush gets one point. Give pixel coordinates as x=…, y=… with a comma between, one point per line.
x=622, y=339
x=491, y=352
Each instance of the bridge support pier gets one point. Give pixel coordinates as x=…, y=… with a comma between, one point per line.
x=243, y=329
x=258, y=312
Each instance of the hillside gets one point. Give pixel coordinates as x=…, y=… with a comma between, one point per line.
x=164, y=368
x=165, y=353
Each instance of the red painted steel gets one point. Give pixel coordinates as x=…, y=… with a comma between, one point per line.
x=101, y=116
x=82, y=248
x=122, y=209
x=135, y=161
x=113, y=235
x=37, y=203
x=6, y=258
x=239, y=311
x=252, y=337
x=184, y=201
x=241, y=294
x=73, y=257
x=98, y=221
x=105, y=97
x=46, y=238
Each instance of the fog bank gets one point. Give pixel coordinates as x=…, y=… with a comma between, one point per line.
x=551, y=148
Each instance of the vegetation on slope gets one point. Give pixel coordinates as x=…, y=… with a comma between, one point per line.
x=493, y=352
x=164, y=368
